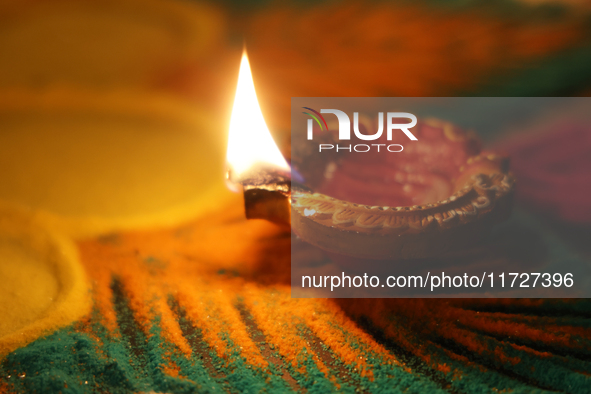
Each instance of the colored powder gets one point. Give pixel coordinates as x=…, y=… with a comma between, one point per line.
x=206, y=308
x=42, y=283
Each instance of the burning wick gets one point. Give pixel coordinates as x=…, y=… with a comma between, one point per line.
x=254, y=163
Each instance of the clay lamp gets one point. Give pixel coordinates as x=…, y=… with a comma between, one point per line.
x=443, y=195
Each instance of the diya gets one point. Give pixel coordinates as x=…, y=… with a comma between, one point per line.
x=463, y=191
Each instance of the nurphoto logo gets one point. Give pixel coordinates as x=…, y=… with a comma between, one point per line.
x=344, y=134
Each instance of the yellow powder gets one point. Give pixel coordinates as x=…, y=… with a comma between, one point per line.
x=29, y=286
x=91, y=163
x=102, y=112
x=42, y=284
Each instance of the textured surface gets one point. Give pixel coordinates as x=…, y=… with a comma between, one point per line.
x=207, y=307
x=42, y=284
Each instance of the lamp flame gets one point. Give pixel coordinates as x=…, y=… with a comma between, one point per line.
x=250, y=143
